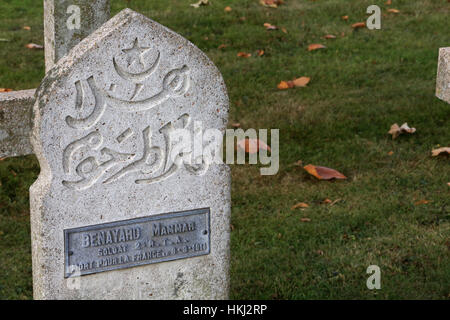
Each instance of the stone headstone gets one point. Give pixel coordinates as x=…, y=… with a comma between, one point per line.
x=116, y=212
x=67, y=22
x=443, y=75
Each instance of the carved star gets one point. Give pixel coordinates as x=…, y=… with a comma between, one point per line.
x=135, y=53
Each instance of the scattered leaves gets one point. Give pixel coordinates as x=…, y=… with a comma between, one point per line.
x=284, y=30
x=390, y=153
x=300, y=205
x=27, y=28
x=227, y=9
x=301, y=82
x=345, y=18
x=395, y=130
x=244, y=54
x=327, y=201
x=305, y=220
x=236, y=125
x=5, y=90
x=34, y=46
x=330, y=36
x=316, y=46
x=359, y=25
x=393, y=11
x=388, y=2
x=283, y=85
x=440, y=151
x=222, y=46
x=252, y=145
x=323, y=173
x=260, y=53
x=200, y=3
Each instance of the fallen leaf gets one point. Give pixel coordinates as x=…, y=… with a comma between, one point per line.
x=252, y=145
x=395, y=130
x=269, y=26
x=440, y=151
x=242, y=18
x=27, y=28
x=300, y=205
x=284, y=30
x=236, y=125
x=305, y=220
x=200, y=3
x=330, y=36
x=5, y=90
x=271, y=3
x=327, y=201
x=283, y=85
x=301, y=82
x=34, y=46
x=227, y=9
x=388, y=2
x=244, y=54
x=390, y=153
x=323, y=173
x=260, y=53
x=417, y=203
x=222, y=46
x=316, y=46
x=359, y=25
x=345, y=18
x=393, y=11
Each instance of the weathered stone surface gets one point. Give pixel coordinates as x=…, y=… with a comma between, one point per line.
x=443, y=75
x=15, y=123
x=102, y=119
x=61, y=25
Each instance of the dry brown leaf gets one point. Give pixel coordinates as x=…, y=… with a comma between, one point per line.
x=227, y=9
x=330, y=36
x=244, y=54
x=260, y=53
x=271, y=3
x=388, y=2
x=327, y=201
x=5, y=90
x=269, y=26
x=222, y=46
x=236, y=125
x=393, y=11
x=300, y=205
x=417, y=203
x=34, y=46
x=283, y=85
x=316, y=46
x=301, y=82
x=305, y=220
x=395, y=130
x=27, y=28
x=252, y=145
x=323, y=173
x=284, y=30
x=390, y=153
x=359, y=25
x=345, y=18
x=440, y=151
x=200, y=3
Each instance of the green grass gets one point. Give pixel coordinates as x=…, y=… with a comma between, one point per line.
x=360, y=85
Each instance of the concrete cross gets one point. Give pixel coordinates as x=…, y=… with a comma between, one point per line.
x=66, y=23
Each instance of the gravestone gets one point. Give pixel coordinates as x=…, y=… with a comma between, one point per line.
x=118, y=212
x=443, y=75
x=66, y=23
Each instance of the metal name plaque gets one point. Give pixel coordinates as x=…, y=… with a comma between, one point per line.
x=136, y=242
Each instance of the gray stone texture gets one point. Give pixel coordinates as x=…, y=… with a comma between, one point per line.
x=15, y=123
x=58, y=38
x=98, y=132
x=443, y=75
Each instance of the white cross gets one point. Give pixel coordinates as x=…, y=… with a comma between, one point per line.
x=66, y=22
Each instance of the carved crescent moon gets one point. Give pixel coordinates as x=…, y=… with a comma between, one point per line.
x=136, y=77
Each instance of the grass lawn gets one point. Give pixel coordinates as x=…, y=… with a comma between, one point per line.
x=360, y=85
